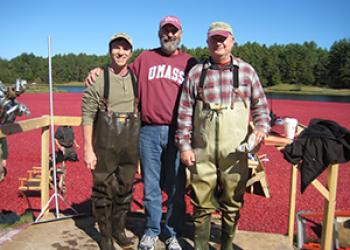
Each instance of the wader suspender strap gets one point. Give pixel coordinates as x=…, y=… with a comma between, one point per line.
x=233, y=68
x=106, y=87
x=203, y=75
x=134, y=83
x=137, y=106
x=235, y=77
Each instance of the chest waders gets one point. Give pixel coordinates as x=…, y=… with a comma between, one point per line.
x=219, y=177
x=115, y=141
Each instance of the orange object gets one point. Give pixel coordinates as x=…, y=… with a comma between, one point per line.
x=272, y=140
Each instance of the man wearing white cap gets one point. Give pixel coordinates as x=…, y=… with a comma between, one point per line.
x=217, y=99
x=161, y=72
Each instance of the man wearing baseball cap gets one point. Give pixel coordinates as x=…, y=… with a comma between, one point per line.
x=217, y=99
x=111, y=127
x=161, y=72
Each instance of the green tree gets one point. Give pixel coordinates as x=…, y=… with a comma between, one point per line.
x=5, y=72
x=271, y=71
x=263, y=59
x=339, y=64
x=26, y=66
x=297, y=63
x=320, y=70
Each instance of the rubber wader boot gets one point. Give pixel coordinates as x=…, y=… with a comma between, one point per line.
x=103, y=217
x=202, y=233
x=228, y=231
x=119, y=231
x=226, y=241
x=118, y=225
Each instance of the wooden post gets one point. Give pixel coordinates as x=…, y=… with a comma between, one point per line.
x=45, y=172
x=329, y=208
x=293, y=189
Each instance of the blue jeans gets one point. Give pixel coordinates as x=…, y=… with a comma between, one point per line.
x=161, y=169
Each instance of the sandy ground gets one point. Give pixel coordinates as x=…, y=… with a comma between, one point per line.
x=80, y=233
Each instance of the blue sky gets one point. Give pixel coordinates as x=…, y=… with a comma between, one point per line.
x=85, y=26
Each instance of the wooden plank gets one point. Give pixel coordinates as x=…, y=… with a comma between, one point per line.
x=292, y=195
x=23, y=126
x=38, y=180
x=256, y=177
x=265, y=187
x=272, y=140
x=67, y=120
x=29, y=188
x=329, y=208
x=36, y=123
x=32, y=174
x=318, y=185
x=44, y=167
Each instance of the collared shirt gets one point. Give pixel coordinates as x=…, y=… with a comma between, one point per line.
x=218, y=89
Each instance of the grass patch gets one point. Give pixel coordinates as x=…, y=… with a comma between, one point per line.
x=301, y=89
x=37, y=88
x=44, y=87
x=75, y=84
x=11, y=220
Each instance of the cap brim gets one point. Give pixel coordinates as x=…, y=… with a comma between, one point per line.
x=121, y=37
x=223, y=33
x=171, y=23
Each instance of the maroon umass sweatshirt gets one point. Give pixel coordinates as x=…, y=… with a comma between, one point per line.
x=160, y=78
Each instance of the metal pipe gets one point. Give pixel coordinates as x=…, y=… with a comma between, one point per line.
x=52, y=131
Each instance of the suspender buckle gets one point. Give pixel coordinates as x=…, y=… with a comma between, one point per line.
x=121, y=118
x=217, y=107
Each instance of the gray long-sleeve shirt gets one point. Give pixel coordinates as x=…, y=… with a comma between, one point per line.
x=121, y=97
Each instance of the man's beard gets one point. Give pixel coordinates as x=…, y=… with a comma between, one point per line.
x=169, y=46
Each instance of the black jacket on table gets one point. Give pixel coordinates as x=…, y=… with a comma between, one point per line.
x=322, y=143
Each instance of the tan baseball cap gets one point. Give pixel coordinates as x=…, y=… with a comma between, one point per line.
x=121, y=35
x=220, y=29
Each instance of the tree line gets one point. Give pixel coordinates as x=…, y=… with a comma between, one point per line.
x=292, y=63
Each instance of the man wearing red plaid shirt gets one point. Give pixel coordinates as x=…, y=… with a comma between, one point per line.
x=217, y=100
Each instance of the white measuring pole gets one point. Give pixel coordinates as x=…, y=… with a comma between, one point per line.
x=52, y=132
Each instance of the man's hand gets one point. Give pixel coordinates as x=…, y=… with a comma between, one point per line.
x=188, y=158
x=91, y=77
x=259, y=136
x=90, y=159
